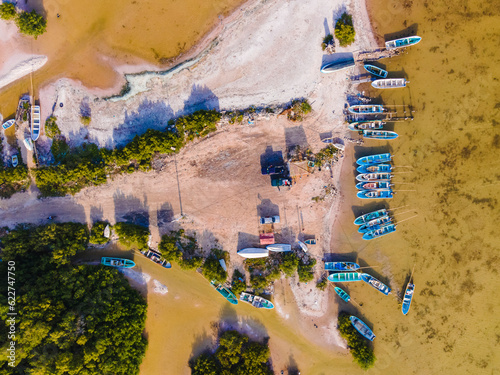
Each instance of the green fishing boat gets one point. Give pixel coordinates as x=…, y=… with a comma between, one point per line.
x=225, y=292
x=117, y=262
x=342, y=294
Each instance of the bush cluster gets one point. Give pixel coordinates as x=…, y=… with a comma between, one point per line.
x=360, y=348
x=198, y=124
x=305, y=270
x=237, y=285
x=97, y=233
x=29, y=23
x=322, y=284
x=344, y=30
x=51, y=128
x=12, y=179
x=327, y=41
x=212, y=269
x=130, y=234
x=325, y=154
x=299, y=109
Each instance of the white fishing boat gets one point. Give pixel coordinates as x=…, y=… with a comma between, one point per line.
x=35, y=122
x=8, y=124
x=222, y=263
x=253, y=252
x=279, y=247
x=402, y=42
x=303, y=246
x=28, y=144
x=389, y=83
x=107, y=231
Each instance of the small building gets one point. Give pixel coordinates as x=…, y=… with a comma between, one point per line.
x=266, y=238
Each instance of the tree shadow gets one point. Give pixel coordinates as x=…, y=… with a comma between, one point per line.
x=409, y=31
x=341, y=9
x=292, y=368
x=271, y=161
x=327, y=29
x=96, y=213
x=131, y=210
x=247, y=240
x=200, y=98
x=295, y=136
x=85, y=110
x=340, y=257
x=164, y=215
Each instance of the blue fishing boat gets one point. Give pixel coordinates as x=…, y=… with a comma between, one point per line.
x=382, y=231
x=376, y=168
x=15, y=161
x=370, y=177
x=377, y=284
x=375, y=194
x=341, y=266
x=117, y=262
x=256, y=301
x=365, y=125
x=366, y=109
x=374, y=159
x=225, y=292
x=375, y=224
x=338, y=65
x=379, y=134
x=8, y=124
x=369, y=216
x=373, y=185
x=342, y=294
x=375, y=70
x=410, y=288
x=344, y=277
x=362, y=328
x=402, y=42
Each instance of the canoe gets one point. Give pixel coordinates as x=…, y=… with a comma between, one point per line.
x=28, y=144
x=338, y=65
x=375, y=224
x=373, y=185
x=377, y=284
x=303, y=246
x=256, y=301
x=254, y=252
x=382, y=231
x=35, y=122
x=366, y=109
x=402, y=42
x=225, y=292
x=344, y=277
x=377, y=168
x=370, y=177
x=379, y=134
x=8, y=124
x=117, y=262
x=279, y=247
x=341, y=266
x=362, y=328
x=370, y=216
x=375, y=194
x=389, y=83
x=15, y=161
x=365, y=125
x=375, y=70
x=410, y=288
x=342, y=294
x=374, y=159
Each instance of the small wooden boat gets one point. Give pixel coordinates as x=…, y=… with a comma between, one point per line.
x=279, y=247
x=341, y=266
x=28, y=144
x=362, y=328
x=155, y=257
x=366, y=109
x=35, y=122
x=374, y=159
x=303, y=246
x=373, y=185
x=375, y=70
x=377, y=284
x=377, y=168
x=410, y=288
x=389, y=83
x=342, y=294
x=107, y=231
x=256, y=301
x=8, y=124
x=382, y=231
x=166, y=264
x=379, y=134
x=117, y=262
x=344, y=277
x=365, y=125
x=370, y=177
x=338, y=65
x=375, y=224
x=370, y=216
x=402, y=42
x=375, y=194
x=225, y=292
x=15, y=161
x=253, y=252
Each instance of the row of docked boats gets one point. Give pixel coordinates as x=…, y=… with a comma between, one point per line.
x=254, y=300
x=383, y=82
x=375, y=224
x=374, y=178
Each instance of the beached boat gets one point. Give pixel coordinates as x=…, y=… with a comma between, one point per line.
x=279, y=247
x=370, y=216
x=382, y=231
x=253, y=252
x=28, y=144
x=341, y=266
x=379, y=134
x=402, y=42
x=155, y=257
x=375, y=224
x=8, y=124
x=362, y=328
x=35, y=122
x=15, y=161
x=342, y=294
x=335, y=66
x=222, y=263
x=256, y=301
x=373, y=185
x=375, y=70
x=374, y=159
x=117, y=262
x=310, y=241
x=344, y=277
x=410, y=288
x=225, y=292
x=107, y=231
x=375, y=194
x=377, y=284
x=377, y=168
x=371, y=177
x=365, y=125
x=389, y=83
x=166, y=264
x=303, y=246
x=366, y=109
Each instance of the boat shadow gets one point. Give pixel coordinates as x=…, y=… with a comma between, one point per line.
x=369, y=207
x=340, y=257
x=336, y=57
x=408, y=31
x=247, y=240
x=360, y=151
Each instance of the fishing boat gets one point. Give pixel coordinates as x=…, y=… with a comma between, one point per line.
x=365, y=125
x=362, y=328
x=28, y=144
x=410, y=288
x=375, y=194
x=35, y=122
x=338, y=65
x=377, y=168
x=166, y=264
x=375, y=224
x=370, y=177
x=374, y=159
x=366, y=109
x=222, y=263
x=303, y=246
x=310, y=241
x=375, y=70
x=8, y=124
x=373, y=185
x=342, y=294
x=15, y=161
x=382, y=231
x=402, y=42
x=253, y=252
x=225, y=292
x=279, y=247
x=377, y=284
x=117, y=262
x=341, y=266
x=389, y=83
x=370, y=216
x=256, y=301
x=344, y=277
x=107, y=231
x=379, y=134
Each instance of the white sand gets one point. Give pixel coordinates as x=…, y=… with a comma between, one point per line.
x=159, y=287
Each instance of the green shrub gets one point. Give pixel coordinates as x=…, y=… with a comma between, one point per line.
x=322, y=284
x=85, y=120
x=168, y=246
x=97, y=233
x=258, y=282
x=212, y=269
x=325, y=154
x=198, y=124
x=344, y=30
x=51, y=128
x=327, y=41
x=238, y=286
x=361, y=351
x=7, y=11
x=299, y=109
x=192, y=263
x=130, y=234
x=289, y=263
x=305, y=270
x=59, y=149
x=31, y=23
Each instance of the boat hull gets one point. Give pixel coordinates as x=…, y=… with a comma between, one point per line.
x=344, y=277
x=373, y=185
x=375, y=194
x=377, y=168
x=374, y=159
x=279, y=247
x=376, y=284
x=402, y=42
x=253, y=252
x=342, y=294
x=370, y=216
x=225, y=292
x=366, y=109
x=376, y=71
x=389, y=83
x=341, y=266
x=405, y=308
x=374, y=224
x=336, y=66
x=381, y=135
x=8, y=124
x=117, y=262
x=365, y=125
x=371, y=177
x=382, y=231
x=362, y=328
